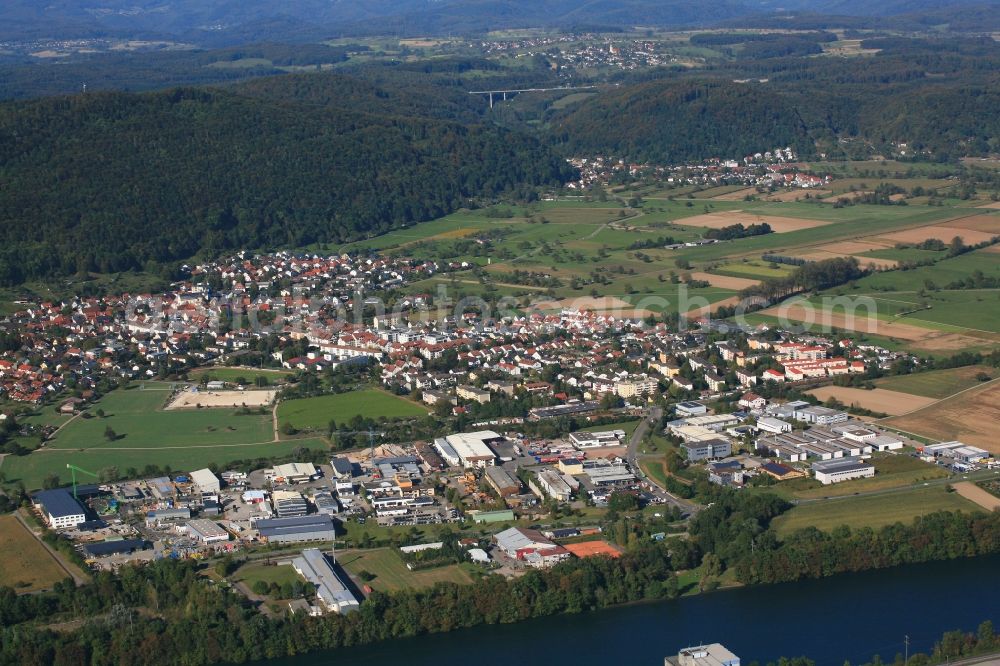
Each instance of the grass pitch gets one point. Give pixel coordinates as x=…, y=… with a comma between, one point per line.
x=316, y=413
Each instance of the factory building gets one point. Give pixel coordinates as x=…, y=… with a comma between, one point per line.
x=288, y=503
x=207, y=531
x=502, y=481
x=317, y=527
x=60, y=509
x=206, y=480
x=331, y=591
x=842, y=469
x=472, y=449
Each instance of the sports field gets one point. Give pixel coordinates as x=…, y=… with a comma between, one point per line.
x=391, y=573
x=316, y=413
x=872, y=511
x=25, y=564
x=32, y=469
x=137, y=417
x=239, y=375
x=145, y=434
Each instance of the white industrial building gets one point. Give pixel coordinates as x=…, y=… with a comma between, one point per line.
x=842, y=469
x=470, y=449
x=207, y=531
x=958, y=451
x=206, y=480
x=60, y=508
x=552, y=483
x=589, y=440
x=773, y=425
x=331, y=591
x=293, y=473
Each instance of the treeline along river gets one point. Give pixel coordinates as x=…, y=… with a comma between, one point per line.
x=847, y=617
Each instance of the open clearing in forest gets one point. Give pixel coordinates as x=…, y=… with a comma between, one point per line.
x=972, y=417
x=877, y=400
x=729, y=218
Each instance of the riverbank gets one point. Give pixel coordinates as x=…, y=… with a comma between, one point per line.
x=830, y=620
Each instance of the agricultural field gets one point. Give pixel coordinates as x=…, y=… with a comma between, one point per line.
x=937, y=383
x=878, y=400
x=972, y=417
x=316, y=413
x=25, y=564
x=753, y=269
x=873, y=511
x=391, y=573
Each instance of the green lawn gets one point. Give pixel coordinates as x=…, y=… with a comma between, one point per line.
x=628, y=426
x=137, y=418
x=391, y=573
x=936, y=383
x=232, y=374
x=891, y=471
x=316, y=413
x=253, y=572
x=33, y=468
x=873, y=511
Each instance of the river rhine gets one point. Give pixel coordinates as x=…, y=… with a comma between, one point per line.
x=850, y=617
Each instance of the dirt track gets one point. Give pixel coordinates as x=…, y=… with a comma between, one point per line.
x=974, y=493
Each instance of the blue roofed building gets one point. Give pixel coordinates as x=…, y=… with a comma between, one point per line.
x=300, y=529
x=59, y=508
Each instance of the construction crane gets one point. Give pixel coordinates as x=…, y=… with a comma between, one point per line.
x=372, y=434
x=73, y=470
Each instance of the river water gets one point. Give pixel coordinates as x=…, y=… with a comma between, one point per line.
x=849, y=617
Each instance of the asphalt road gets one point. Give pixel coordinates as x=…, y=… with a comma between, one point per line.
x=632, y=455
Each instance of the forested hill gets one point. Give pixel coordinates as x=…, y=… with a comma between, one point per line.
x=118, y=181
x=673, y=121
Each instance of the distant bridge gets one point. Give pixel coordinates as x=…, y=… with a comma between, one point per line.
x=491, y=93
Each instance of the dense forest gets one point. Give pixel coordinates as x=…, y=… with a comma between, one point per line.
x=936, y=96
x=117, y=181
x=673, y=121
